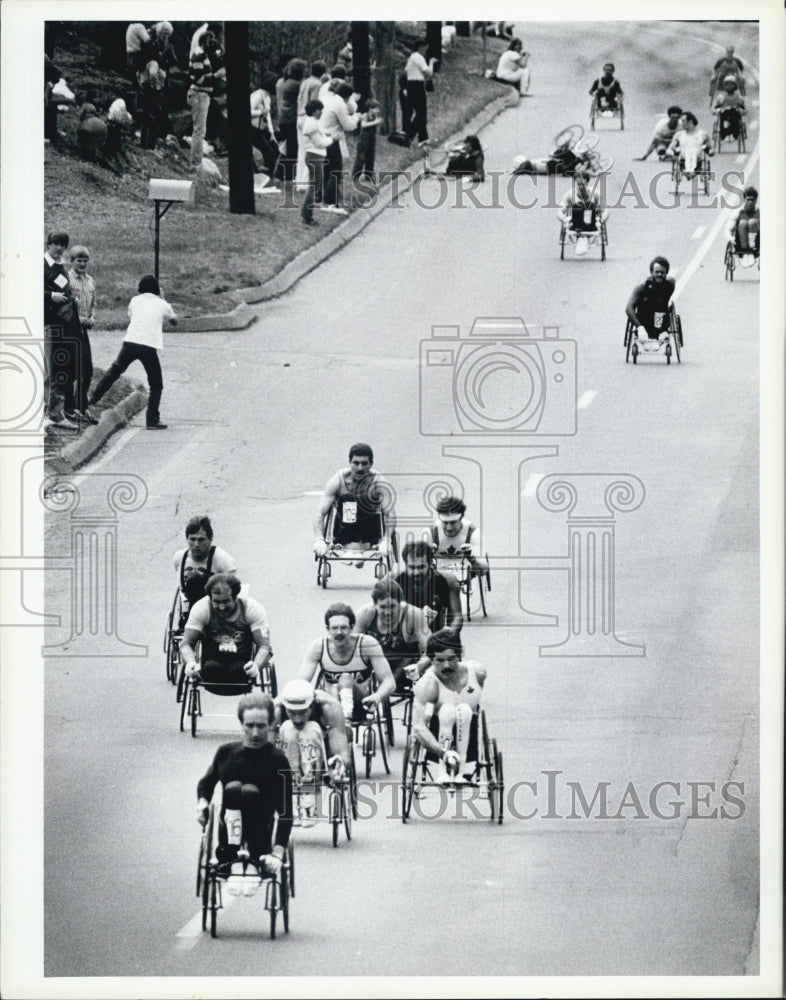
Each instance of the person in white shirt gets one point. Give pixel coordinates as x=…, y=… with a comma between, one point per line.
x=689, y=143
x=512, y=67
x=336, y=122
x=417, y=72
x=315, y=145
x=143, y=340
x=262, y=132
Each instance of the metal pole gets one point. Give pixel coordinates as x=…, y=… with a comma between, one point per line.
x=158, y=228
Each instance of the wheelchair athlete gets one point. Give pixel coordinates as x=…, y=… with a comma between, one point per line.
x=307, y=720
x=349, y=665
x=727, y=65
x=730, y=108
x=563, y=159
x=580, y=211
x=691, y=144
x=607, y=91
x=401, y=630
x=257, y=787
x=198, y=561
x=446, y=698
x=364, y=514
x=745, y=228
x=234, y=634
x=453, y=537
x=665, y=130
x=648, y=305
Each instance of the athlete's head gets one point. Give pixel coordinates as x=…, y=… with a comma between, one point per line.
x=674, y=113
x=387, y=590
x=297, y=698
x=750, y=194
x=199, y=523
x=361, y=450
x=659, y=267
x=255, y=711
x=689, y=121
x=337, y=611
x=608, y=69
x=444, y=650
x=417, y=556
x=222, y=589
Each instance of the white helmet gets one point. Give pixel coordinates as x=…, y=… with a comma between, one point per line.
x=297, y=695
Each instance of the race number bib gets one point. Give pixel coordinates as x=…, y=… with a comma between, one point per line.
x=658, y=320
x=587, y=216
x=449, y=565
x=349, y=512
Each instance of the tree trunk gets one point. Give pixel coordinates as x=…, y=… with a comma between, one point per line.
x=241, y=166
x=434, y=42
x=385, y=89
x=361, y=62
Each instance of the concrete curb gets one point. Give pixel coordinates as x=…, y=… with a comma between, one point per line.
x=95, y=437
x=310, y=259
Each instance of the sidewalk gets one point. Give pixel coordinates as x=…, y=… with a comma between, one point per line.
x=75, y=449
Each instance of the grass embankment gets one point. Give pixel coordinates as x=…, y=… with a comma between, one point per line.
x=206, y=252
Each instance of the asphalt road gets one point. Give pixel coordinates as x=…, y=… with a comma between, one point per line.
x=260, y=419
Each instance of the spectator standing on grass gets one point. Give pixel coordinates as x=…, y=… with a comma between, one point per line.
x=59, y=316
x=315, y=143
x=287, y=91
x=143, y=340
x=137, y=47
x=263, y=135
x=203, y=65
x=51, y=76
x=418, y=71
x=337, y=121
x=366, y=149
x=309, y=91
x=83, y=288
x=118, y=120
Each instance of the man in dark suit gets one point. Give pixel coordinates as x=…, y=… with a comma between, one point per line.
x=58, y=318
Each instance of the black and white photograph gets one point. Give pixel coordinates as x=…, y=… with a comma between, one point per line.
x=392, y=500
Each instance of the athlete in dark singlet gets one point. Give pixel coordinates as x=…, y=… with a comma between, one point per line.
x=348, y=662
x=436, y=593
x=648, y=305
x=401, y=630
x=363, y=506
x=199, y=561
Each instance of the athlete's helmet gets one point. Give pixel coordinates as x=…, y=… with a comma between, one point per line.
x=297, y=695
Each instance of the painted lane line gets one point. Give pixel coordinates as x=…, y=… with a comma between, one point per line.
x=586, y=398
x=699, y=233
x=740, y=158
x=312, y=493
x=720, y=221
x=532, y=484
x=124, y=438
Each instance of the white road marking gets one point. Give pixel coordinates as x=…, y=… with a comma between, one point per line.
x=124, y=438
x=753, y=124
x=699, y=233
x=189, y=934
x=739, y=158
x=532, y=484
x=720, y=221
x=586, y=398
x=312, y=493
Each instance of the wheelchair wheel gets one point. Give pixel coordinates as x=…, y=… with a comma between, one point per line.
x=677, y=349
x=622, y=114
x=353, y=784
x=346, y=809
x=570, y=135
x=481, y=594
x=743, y=135
x=181, y=683
x=499, y=781
x=634, y=351
x=268, y=680
x=705, y=177
x=668, y=354
x=486, y=765
x=369, y=746
x=284, y=894
x=194, y=706
x=215, y=903
x=593, y=113
x=323, y=572
x=334, y=813
x=387, y=711
x=716, y=133
x=628, y=341
x=172, y=658
x=603, y=240
x=290, y=864
x=676, y=174
x=586, y=144
x=409, y=774
x=272, y=904
x=184, y=689
x=562, y=236
x=729, y=261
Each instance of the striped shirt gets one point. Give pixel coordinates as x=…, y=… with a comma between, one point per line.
x=84, y=289
x=200, y=69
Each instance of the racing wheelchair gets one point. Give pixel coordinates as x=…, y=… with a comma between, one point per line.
x=173, y=634
x=487, y=782
x=717, y=78
x=701, y=173
x=353, y=553
x=599, y=110
x=733, y=254
x=214, y=869
x=190, y=688
x=342, y=801
x=462, y=569
x=669, y=347
x=365, y=728
x=718, y=139
x=585, y=223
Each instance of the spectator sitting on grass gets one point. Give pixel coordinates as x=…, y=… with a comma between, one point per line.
x=512, y=67
x=467, y=160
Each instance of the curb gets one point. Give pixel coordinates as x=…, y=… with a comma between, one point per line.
x=242, y=316
x=310, y=259
x=95, y=437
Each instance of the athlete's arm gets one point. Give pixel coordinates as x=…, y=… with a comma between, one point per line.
x=425, y=693
x=633, y=301
x=386, y=684
x=335, y=725
x=326, y=504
